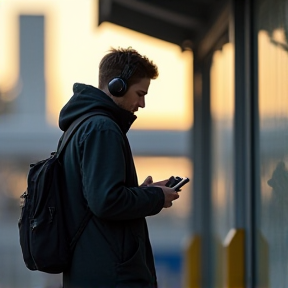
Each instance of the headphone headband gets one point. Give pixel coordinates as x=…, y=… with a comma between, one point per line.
x=127, y=71
x=118, y=86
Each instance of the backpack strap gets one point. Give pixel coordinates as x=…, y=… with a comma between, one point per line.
x=67, y=135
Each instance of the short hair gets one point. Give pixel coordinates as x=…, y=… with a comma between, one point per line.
x=113, y=63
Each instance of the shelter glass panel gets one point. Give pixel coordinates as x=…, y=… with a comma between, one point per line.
x=272, y=195
x=222, y=171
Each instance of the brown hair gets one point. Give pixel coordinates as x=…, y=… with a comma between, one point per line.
x=113, y=63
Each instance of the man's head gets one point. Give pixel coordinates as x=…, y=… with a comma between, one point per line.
x=124, y=75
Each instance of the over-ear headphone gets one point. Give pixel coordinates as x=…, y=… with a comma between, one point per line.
x=118, y=85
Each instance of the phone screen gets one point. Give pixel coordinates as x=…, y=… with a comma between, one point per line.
x=180, y=184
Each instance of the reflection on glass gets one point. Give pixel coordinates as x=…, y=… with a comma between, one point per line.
x=222, y=114
x=273, y=71
x=272, y=204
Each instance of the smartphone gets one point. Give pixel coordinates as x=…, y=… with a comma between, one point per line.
x=181, y=183
x=173, y=181
x=177, y=182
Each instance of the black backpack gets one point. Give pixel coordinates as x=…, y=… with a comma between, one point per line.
x=44, y=239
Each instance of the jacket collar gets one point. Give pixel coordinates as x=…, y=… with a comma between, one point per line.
x=122, y=117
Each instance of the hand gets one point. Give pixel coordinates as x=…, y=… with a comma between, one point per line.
x=160, y=183
x=170, y=195
x=148, y=181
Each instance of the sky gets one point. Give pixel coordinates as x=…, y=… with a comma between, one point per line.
x=74, y=45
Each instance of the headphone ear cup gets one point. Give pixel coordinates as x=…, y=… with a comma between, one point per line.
x=117, y=87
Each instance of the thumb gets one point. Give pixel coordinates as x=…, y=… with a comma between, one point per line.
x=148, y=180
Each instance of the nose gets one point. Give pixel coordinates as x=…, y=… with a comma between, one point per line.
x=142, y=102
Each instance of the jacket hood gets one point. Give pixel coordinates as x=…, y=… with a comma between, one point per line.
x=87, y=98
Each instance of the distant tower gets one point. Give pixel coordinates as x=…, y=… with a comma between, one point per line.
x=25, y=132
x=32, y=98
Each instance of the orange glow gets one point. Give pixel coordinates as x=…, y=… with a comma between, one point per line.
x=222, y=83
x=222, y=110
x=74, y=46
x=220, y=187
x=273, y=74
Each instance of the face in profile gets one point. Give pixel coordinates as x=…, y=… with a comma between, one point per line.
x=134, y=98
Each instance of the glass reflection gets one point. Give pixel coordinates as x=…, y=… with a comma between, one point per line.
x=222, y=113
x=272, y=216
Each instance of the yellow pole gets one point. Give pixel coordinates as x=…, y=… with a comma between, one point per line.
x=192, y=263
x=234, y=246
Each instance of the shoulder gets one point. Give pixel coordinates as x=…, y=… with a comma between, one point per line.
x=98, y=124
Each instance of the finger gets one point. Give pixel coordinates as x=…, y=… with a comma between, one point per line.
x=168, y=204
x=148, y=181
x=162, y=183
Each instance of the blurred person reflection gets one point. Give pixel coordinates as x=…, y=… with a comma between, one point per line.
x=276, y=226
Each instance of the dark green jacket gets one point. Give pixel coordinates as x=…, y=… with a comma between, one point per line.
x=114, y=249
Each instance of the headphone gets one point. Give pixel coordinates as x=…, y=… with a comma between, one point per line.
x=118, y=85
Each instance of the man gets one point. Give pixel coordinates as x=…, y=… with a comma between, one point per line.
x=114, y=249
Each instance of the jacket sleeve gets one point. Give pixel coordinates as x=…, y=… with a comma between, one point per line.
x=103, y=175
